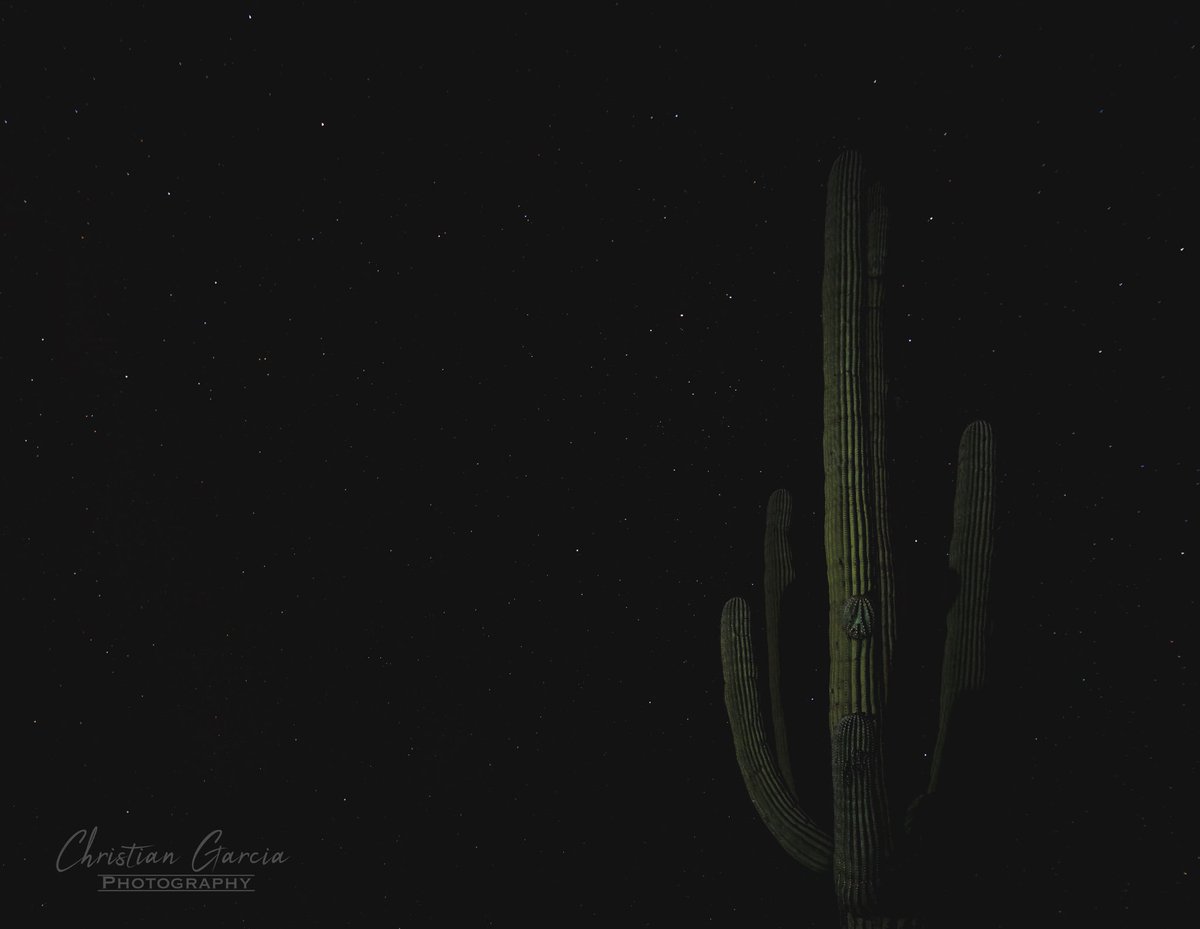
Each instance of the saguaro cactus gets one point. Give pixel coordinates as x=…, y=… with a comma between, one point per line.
x=862, y=609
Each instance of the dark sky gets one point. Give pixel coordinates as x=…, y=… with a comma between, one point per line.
x=396, y=401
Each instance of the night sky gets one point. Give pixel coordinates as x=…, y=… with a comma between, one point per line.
x=395, y=403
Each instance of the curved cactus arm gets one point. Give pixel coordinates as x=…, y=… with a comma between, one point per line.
x=776, y=803
x=964, y=663
x=777, y=575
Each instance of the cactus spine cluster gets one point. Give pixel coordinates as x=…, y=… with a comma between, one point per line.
x=862, y=608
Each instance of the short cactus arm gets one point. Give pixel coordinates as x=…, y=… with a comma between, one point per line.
x=776, y=803
x=964, y=664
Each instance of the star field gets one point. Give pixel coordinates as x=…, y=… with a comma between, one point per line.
x=394, y=407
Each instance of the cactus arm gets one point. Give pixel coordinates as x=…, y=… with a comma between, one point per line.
x=777, y=575
x=964, y=662
x=776, y=803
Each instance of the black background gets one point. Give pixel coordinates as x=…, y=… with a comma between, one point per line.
x=396, y=400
